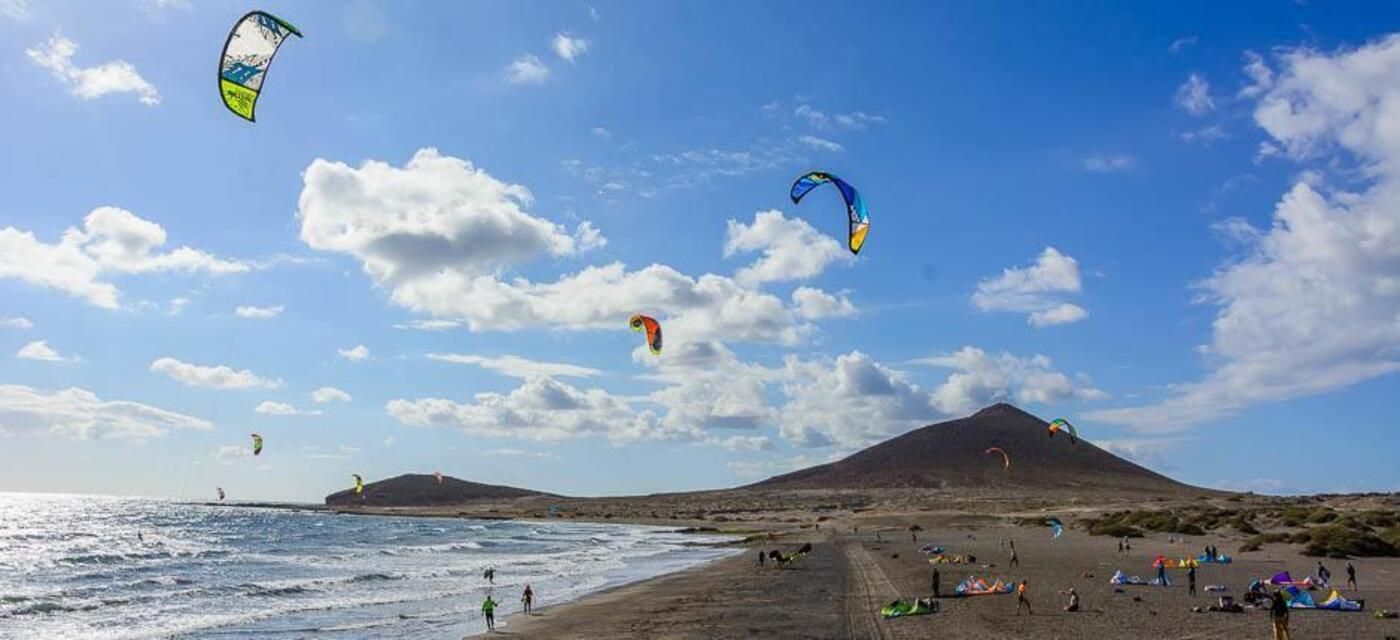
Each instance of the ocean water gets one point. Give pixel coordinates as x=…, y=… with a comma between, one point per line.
x=104, y=567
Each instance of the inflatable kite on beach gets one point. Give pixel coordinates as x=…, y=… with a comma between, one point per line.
x=975, y=586
x=359, y=484
x=1005, y=459
x=1055, y=526
x=1060, y=424
x=858, y=219
x=649, y=324
x=248, y=53
x=257, y=444
x=221, y=493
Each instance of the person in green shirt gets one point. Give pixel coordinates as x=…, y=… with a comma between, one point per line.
x=488, y=609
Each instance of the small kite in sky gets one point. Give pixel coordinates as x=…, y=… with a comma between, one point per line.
x=858, y=219
x=248, y=53
x=649, y=324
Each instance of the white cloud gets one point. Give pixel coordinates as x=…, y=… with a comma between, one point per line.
x=792, y=249
x=429, y=325
x=855, y=120
x=228, y=454
x=17, y=322
x=1109, y=162
x=16, y=9
x=259, y=313
x=602, y=133
x=177, y=306
x=1037, y=290
x=1207, y=135
x=815, y=304
x=1194, y=95
x=79, y=414
x=1312, y=305
x=518, y=367
x=329, y=394
x=354, y=354
x=982, y=378
x=436, y=218
x=1261, y=77
x=268, y=407
x=112, y=240
x=851, y=402
x=820, y=143
x=527, y=69
x=117, y=76
x=40, y=350
x=540, y=409
x=217, y=377
x=519, y=453
x=567, y=47
x=759, y=469
x=1178, y=45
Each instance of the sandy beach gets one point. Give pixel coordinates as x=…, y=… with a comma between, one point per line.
x=837, y=590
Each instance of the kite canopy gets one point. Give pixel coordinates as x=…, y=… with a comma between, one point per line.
x=858, y=219
x=975, y=586
x=221, y=492
x=1005, y=459
x=1055, y=525
x=438, y=475
x=359, y=484
x=652, y=328
x=1060, y=424
x=257, y=444
x=247, y=54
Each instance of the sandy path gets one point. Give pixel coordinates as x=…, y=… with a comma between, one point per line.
x=867, y=589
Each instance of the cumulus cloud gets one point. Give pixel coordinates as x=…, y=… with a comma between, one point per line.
x=850, y=402
x=527, y=69
x=791, y=248
x=518, y=367
x=17, y=322
x=1193, y=95
x=41, y=351
x=815, y=304
x=216, y=377
x=118, y=76
x=1109, y=162
x=1311, y=305
x=980, y=378
x=16, y=9
x=329, y=394
x=268, y=407
x=79, y=414
x=1180, y=44
x=1038, y=290
x=354, y=354
x=259, y=313
x=567, y=47
x=112, y=240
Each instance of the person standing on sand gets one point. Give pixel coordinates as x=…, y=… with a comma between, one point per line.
x=488, y=609
x=1351, y=576
x=1021, y=599
x=761, y=556
x=1015, y=559
x=1162, y=573
x=527, y=598
x=1278, y=614
x=1073, y=600
x=1127, y=546
x=1120, y=546
x=937, y=581
x=1191, y=580
x=1323, y=574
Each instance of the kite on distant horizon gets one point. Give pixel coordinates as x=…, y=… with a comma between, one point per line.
x=257, y=444
x=248, y=53
x=1060, y=424
x=1056, y=526
x=438, y=475
x=221, y=493
x=858, y=219
x=359, y=484
x=1006, y=459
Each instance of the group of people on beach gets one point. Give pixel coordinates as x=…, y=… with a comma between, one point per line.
x=488, y=606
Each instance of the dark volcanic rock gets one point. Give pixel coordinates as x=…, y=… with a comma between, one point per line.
x=952, y=455
x=420, y=490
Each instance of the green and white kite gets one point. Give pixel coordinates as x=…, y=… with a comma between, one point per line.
x=248, y=53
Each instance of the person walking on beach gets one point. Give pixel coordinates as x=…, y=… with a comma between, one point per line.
x=1351, y=576
x=1278, y=614
x=1162, y=573
x=937, y=582
x=1021, y=599
x=488, y=609
x=1191, y=580
x=1323, y=574
x=1127, y=546
x=527, y=598
x=1015, y=559
x=760, y=558
x=1120, y=546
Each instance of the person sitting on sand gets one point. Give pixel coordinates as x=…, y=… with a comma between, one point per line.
x=1073, y=600
x=1021, y=599
x=527, y=598
x=488, y=609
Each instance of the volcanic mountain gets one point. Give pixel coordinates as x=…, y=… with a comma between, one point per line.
x=422, y=490
x=953, y=455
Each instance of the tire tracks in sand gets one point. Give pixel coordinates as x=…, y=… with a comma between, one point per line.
x=867, y=589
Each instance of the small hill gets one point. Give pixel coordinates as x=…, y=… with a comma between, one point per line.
x=423, y=490
x=952, y=455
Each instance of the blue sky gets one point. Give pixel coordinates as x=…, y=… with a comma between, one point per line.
x=1176, y=226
